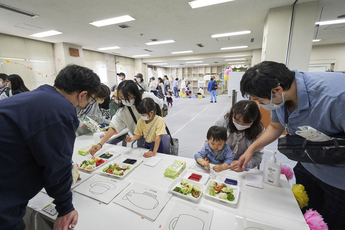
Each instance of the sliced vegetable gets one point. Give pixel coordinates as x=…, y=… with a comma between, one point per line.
x=231, y=197
x=212, y=192
x=177, y=189
x=196, y=194
x=218, y=188
x=223, y=196
x=213, y=184
x=110, y=171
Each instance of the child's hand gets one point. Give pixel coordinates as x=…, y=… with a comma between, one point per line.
x=206, y=164
x=149, y=154
x=128, y=139
x=207, y=159
x=218, y=168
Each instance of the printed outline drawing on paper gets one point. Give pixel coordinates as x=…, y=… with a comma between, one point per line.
x=101, y=187
x=175, y=220
x=143, y=200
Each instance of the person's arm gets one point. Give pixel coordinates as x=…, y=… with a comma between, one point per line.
x=57, y=140
x=155, y=148
x=272, y=132
x=200, y=157
x=98, y=146
x=221, y=167
x=134, y=138
x=203, y=162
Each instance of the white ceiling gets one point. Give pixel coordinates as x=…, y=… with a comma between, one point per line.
x=158, y=19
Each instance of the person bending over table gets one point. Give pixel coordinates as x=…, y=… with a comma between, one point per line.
x=316, y=99
x=243, y=124
x=36, y=145
x=215, y=151
x=150, y=126
x=130, y=96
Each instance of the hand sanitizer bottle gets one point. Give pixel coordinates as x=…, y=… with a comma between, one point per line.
x=272, y=171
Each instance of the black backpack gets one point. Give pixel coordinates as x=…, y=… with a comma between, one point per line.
x=214, y=85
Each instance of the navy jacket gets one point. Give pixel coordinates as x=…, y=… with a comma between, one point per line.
x=37, y=134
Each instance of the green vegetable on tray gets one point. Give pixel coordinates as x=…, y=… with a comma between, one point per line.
x=221, y=191
x=187, y=188
x=212, y=192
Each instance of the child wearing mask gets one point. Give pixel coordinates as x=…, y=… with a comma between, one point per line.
x=243, y=124
x=150, y=126
x=216, y=150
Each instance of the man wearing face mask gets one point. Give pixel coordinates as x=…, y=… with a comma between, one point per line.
x=93, y=111
x=316, y=99
x=122, y=77
x=140, y=80
x=36, y=145
x=5, y=86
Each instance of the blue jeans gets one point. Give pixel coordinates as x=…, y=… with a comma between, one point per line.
x=213, y=94
x=152, y=145
x=175, y=91
x=326, y=199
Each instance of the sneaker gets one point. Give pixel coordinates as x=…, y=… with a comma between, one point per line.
x=211, y=101
x=215, y=102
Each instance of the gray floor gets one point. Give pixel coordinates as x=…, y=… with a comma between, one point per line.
x=190, y=118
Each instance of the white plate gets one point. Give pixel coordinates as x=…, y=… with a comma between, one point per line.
x=177, y=183
x=203, y=179
x=119, y=162
x=235, y=188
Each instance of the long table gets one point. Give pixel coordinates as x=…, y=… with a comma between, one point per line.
x=274, y=206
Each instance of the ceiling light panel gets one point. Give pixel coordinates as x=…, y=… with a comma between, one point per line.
x=235, y=59
x=194, y=61
x=231, y=34
x=159, y=64
x=316, y=40
x=112, y=21
x=110, y=48
x=182, y=52
x=201, y=64
x=46, y=34
x=331, y=22
x=233, y=47
x=142, y=55
x=159, y=42
x=202, y=3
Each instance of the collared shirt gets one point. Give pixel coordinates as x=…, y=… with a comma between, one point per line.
x=321, y=105
x=223, y=156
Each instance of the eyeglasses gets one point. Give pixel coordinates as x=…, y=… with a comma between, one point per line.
x=93, y=99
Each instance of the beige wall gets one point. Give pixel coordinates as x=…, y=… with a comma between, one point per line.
x=329, y=53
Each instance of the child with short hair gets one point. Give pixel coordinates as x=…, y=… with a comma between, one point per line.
x=169, y=98
x=150, y=126
x=216, y=150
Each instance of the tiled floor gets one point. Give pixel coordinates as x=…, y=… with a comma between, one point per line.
x=190, y=118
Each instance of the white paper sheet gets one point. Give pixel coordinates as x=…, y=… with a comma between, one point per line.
x=152, y=161
x=189, y=217
x=254, y=180
x=143, y=200
x=101, y=188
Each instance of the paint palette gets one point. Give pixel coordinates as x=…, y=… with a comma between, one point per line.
x=189, y=196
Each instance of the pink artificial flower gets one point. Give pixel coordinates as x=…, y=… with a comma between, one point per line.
x=315, y=220
x=287, y=171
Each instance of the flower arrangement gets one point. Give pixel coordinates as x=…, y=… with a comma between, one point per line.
x=315, y=220
x=300, y=195
x=287, y=171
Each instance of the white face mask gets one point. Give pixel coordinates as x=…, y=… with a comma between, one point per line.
x=145, y=118
x=271, y=105
x=240, y=127
x=117, y=101
x=126, y=103
x=2, y=84
x=138, y=79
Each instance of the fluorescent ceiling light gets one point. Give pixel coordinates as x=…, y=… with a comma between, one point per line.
x=231, y=34
x=235, y=59
x=172, y=66
x=112, y=21
x=316, y=40
x=46, y=34
x=233, y=47
x=16, y=59
x=237, y=56
x=201, y=64
x=194, y=61
x=141, y=55
x=182, y=52
x=159, y=42
x=110, y=48
x=189, y=59
x=159, y=64
x=202, y=3
x=38, y=61
x=331, y=22
x=231, y=63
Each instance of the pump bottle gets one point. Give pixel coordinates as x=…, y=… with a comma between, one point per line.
x=272, y=171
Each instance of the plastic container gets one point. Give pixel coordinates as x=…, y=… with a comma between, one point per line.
x=97, y=137
x=199, y=96
x=177, y=183
x=272, y=171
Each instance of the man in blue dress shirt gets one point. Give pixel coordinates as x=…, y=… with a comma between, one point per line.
x=36, y=145
x=316, y=99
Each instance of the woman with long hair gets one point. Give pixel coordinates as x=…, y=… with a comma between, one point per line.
x=244, y=126
x=17, y=84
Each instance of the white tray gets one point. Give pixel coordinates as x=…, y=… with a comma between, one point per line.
x=235, y=188
x=91, y=170
x=119, y=162
x=203, y=179
x=177, y=183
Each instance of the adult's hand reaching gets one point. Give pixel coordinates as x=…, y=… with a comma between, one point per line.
x=63, y=222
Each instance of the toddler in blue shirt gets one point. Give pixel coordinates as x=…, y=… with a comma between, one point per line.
x=215, y=151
